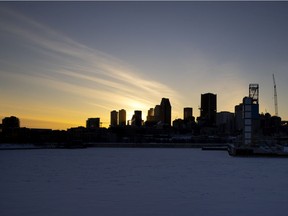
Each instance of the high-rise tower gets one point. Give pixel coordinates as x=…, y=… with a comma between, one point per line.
x=150, y=116
x=254, y=93
x=137, y=118
x=165, y=111
x=114, y=118
x=122, y=117
x=188, y=113
x=208, y=109
x=157, y=113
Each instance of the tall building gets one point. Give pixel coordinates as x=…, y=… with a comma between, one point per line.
x=238, y=117
x=122, y=117
x=188, y=113
x=137, y=118
x=254, y=95
x=247, y=121
x=157, y=113
x=208, y=109
x=165, y=111
x=93, y=123
x=114, y=118
x=225, y=122
x=150, y=116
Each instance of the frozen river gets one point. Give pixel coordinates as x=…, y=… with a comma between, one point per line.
x=139, y=181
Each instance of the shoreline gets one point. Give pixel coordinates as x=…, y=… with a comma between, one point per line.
x=207, y=146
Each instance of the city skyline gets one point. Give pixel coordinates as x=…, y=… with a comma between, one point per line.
x=58, y=71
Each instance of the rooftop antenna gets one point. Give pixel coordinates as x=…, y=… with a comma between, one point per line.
x=275, y=97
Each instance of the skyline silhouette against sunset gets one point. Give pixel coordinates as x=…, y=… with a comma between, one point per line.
x=90, y=58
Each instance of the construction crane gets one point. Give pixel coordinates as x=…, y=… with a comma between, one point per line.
x=275, y=97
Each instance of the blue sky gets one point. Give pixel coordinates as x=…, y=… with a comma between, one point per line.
x=62, y=62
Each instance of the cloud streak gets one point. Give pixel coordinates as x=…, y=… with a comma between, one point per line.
x=61, y=63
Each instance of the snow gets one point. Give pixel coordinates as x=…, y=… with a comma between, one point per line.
x=140, y=181
x=7, y=146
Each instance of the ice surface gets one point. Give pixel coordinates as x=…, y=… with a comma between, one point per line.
x=139, y=181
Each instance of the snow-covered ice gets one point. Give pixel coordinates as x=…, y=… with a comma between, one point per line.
x=139, y=181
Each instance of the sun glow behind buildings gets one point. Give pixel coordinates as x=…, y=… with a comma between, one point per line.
x=136, y=105
x=64, y=72
x=66, y=80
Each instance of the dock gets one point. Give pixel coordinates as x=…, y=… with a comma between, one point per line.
x=258, y=151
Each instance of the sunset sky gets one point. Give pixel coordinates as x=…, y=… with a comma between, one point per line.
x=64, y=62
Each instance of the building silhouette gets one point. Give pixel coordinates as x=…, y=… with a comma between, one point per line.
x=150, y=115
x=255, y=117
x=122, y=117
x=165, y=112
x=208, y=109
x=188, y=113
x=93, y=123
x=157, y=113
x=225, y=122
x=114, y=118
x=247, y=121
x=10, y=122
x=137, y=118
x=270, y=125
x=238, y=116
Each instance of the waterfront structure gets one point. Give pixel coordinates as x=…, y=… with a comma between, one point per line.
x=93, y=123
x=251, y=120
x=188, y=113
x=247, y=120
x=165, y=112
x=122, y=118
x=114, y=118
x=208, y=109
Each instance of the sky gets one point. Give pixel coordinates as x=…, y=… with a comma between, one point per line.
x=64, y=62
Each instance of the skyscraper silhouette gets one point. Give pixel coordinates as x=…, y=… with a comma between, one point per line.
x=150, y=116
x=122, y=117
x=165, y=112
x=188, y=113
x=157, y=113
x=114, y=118
x=208, y=109
x=137, y=118
x=238, y=113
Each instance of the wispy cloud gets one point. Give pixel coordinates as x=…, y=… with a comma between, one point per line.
x=73, y=67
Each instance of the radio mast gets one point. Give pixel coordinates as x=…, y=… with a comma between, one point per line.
x=275, y=97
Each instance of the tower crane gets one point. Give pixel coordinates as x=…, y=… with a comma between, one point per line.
x=275, y=97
